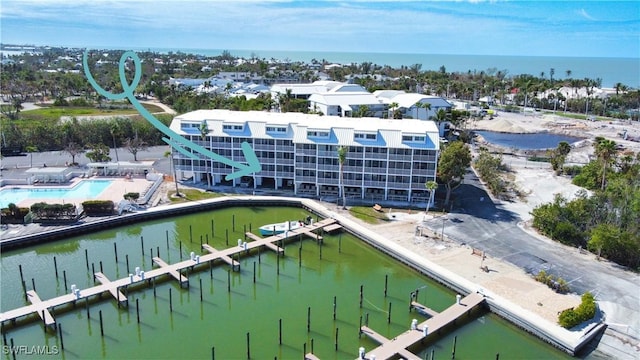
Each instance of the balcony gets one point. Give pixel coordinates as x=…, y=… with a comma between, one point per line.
x=375, y=156
x=379, y=184
x=309, y=179
x=393, y=157
x=305, y=152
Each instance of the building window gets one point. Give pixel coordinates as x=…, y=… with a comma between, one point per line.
x=318, y=133
x=365, y=136
x=413, y=138
x=276, y=129
x=232, y=127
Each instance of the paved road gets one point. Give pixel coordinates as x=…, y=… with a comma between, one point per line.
x=476, y=220
x=15, y=166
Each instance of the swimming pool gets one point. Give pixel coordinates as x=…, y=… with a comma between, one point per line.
x=85, y=189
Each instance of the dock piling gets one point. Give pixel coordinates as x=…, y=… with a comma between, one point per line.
x=280, y=331
x=213, y=230
x=335, y=304
x=361, y=288
x=33, y=284
x=200, y=289
x=453, y=352
x=101, y=270
x=386, y=280
x=13, y=353
x=21, y=275
x=86, y=258
x=55, y=266
x=336, y=341
x=180, y=250
x=127, y=259
x=142, y=244
x=226, y=235
x=101, y=328
x=138, y=310
x=64, y=275
x=190, y=233
x=312, y=345
x=166, y=233
x=233, y=222
x=170, y=301
x=254, y=272
x=86, y=304
x=248, y=346
x=300, y=257
x=389, y=314
x=115, y=251
x=309, y=319
x=61, y=339
x=93, y=271
x=228, y=281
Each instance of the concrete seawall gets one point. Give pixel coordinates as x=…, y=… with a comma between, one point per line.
x=568, y=341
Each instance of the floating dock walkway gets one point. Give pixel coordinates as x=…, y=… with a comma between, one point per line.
x=397, y=347
x=44, y=308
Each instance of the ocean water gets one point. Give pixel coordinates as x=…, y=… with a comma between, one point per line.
x=610, y=70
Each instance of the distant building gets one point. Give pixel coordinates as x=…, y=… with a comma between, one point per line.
x=407, y=105
x=346, y=99
x=386, y=159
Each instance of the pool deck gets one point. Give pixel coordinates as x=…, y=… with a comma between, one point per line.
x=114, y=192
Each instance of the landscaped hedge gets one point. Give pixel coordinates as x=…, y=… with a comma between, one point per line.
x=13, y=214
x=98, y=207
x=132, y=196
x=43, y=212
x=585, y=311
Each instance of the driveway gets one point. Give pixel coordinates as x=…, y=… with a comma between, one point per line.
x=477, y=220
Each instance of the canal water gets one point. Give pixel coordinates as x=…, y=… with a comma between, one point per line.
x=534, y=141
x=238, y=316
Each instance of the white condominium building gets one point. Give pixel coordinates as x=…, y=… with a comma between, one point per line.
x=386, y=159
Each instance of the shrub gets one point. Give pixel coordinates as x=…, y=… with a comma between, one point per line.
x=132, y=196
x=98, y=207
x=51, y=212
x=585, y=311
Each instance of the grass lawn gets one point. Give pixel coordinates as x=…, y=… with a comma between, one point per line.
x=368, y=214
x=54, y=113
x=192, y=195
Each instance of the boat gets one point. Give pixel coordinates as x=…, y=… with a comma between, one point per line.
x=279, y=228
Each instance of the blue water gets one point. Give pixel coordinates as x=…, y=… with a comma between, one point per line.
x=534, y=141
x=86, y=189
x=610, y=70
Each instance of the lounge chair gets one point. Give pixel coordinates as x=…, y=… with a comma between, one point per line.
x=377, y=207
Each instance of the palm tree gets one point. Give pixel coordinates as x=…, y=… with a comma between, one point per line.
x=605, y=149
x=31, y=149
x=526, y=93
x=168, y=154
x=204, y=129
x=395, y=114
x=422, y=105
x=342, y=157
x=115, y=128
x=431, y=187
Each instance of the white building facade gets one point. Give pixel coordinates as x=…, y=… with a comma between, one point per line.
x=386, y=159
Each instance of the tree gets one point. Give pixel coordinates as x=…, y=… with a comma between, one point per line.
x=115, y=131
x=395, y=113
x=168, y=154
x=559, y=155
x=454, y=161
x=361, y=111
x=431, y=187
x=342, y=157
x=605, y=150
x=204, y=129
x=73, y=149
x=99, y=153
x=422, y=105
x=135, y=145
x=31, y=149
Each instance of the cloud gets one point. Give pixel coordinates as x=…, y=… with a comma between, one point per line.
x=586, y=15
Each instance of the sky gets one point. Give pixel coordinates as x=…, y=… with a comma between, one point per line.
x=476, y=27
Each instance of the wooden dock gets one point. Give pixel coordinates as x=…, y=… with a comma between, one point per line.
x=39, y=307
x=235, y=265
x=171, y=271
x=45, y=315
x=392, y=348
x=332, y=227
x=423, y=309
x=115, y=292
